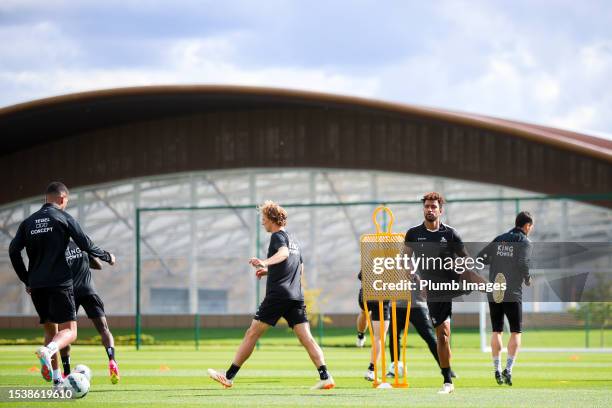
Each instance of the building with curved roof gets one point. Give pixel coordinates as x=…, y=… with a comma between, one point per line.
x=180, y=146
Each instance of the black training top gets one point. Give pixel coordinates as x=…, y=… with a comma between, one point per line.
x=437, y=250
x=284, y=279
x=45, y=236
x=443, y=244
x=509, y=254
x=81, y=274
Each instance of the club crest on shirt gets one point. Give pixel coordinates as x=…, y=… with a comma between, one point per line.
x=443, y=242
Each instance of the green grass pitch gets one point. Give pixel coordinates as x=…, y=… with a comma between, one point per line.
x=280, y=374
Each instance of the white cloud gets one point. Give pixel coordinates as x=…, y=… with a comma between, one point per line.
x=192, y=53
x=40, y=44
x=547, y=89
x=471, y=56
x=32, y=85
x=579, y=118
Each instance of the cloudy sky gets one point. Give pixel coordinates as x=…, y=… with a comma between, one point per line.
x=546, y=62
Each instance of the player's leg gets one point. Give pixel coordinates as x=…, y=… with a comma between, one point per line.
x=66, y=334
x=302, y=331
x=267, y=315
x=440, y=313
x=379, y=330
x=94, y=307
x=40, y=299
x=60, y=309
x=63, y=312
x=397, y=344
x=423, y=326
x=108, y=342
x=443, y=333
x=514, y=313
x=362, y=322
x=297, y=318
x=65, y=354
x=50, y=330
x=253, y=333
x=496, y=348
x=497, y=325
x=362, y=325
x=513, y=347
x=419, y=317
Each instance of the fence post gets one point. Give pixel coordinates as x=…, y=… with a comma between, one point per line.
x=517, y=206
x=320, y=329
x=197, y=331
x=587, y=325
x=138, y=322
x=258, y=282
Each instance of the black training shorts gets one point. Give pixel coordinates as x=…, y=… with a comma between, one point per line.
x=440, y=312
x=93, y=305
x=512, y=310
x=271, y=310
x=54, y=305
x=373, y=307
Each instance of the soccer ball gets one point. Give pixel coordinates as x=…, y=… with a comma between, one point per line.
x=83, y=369
x=78, y=384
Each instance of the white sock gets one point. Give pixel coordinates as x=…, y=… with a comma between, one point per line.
x=497, y=364
x=57, y=374
x=510, y=363
x=52, y=347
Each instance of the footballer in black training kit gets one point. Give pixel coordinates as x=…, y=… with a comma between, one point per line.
x=85, y=295
x=48, y=279
x=284, y=268
x=432, y=240
x=508, y=256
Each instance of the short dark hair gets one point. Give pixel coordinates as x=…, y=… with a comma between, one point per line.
x=56, y=188
x=433, y=196
x=524, y=217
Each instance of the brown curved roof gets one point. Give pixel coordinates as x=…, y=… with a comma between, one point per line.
x=221, y=94
x=143, y=131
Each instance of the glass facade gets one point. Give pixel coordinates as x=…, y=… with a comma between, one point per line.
x=197, y=260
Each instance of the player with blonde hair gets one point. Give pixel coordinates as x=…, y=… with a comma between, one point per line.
x=284, y=298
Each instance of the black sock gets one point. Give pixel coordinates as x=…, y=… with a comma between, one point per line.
x=323, y=372
x=110, y=352
x=360, y=335
x=446, y=373
x=232, y=371
x=371, y=367
x=66, y=364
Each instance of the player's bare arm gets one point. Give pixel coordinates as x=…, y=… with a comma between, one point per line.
x=280, y=256
x=469, y=275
